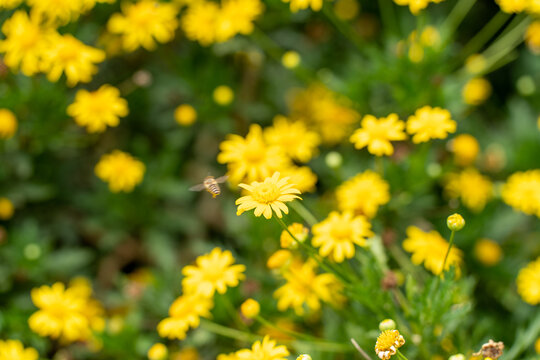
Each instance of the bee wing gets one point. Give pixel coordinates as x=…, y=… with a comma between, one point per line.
x=222, y=179
x=197, y=187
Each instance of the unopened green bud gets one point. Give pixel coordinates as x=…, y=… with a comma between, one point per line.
x=333, y=159
x=455, y=222
x=387, y=324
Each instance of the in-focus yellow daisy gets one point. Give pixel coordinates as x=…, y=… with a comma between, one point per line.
x=338, y=233
x=299, y=231
x=488, y=252
x=251, y=159
x=430, y=248
x=121, y=170
x=476, y=91
x=298, y=142
x=465, y=148
x=158, y=351
x=8, y=124
x=513, y=6
x=472, y=188
x=264, y=350
x=522, y=192
x=303, y=178
x=212, y=272
x=14, y=350
x=6, y=208
x=296, y=5
x=304, y=287
x=528, y=283
x=430, y=123
x=25, y=42
x=363, y=194
x=184, y=313
x=532, y=37
x=388, y=343
x=267, y=196
x=57, y=12
x=98, y=109
x=144, y=23
x=376, y=134
x=70, y=56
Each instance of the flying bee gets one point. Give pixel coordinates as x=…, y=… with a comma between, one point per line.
x=211, y=185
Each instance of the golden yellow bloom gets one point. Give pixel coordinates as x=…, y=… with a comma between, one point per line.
x=528, y=283
x=264, y=350
x=299, y=231
x=296, y=5
x=58, y=12
x=185, y=115
x=199, y=22
x=223, y=95
x=522, y=192
x=143, y=23
x=388, y=343
x=213, y=272
x=250, y=308
x=513, y=6
x=290, y=59
x=267, y=196
x=415, y=6
x=338, y=233
x=297, y=141
x=185, y=312
x=9, y=4
x=537, y=345
x=465, y=148
x=303, y=178
x=8, y=124
x=475, y=64
x=476, y=91
x=158, y=351
x=346, y=9
x=6, y=208
x=376, y=134
x=533, y=7
x=68, y=55
x=430, y=123
x=14, y=350
x=430, y=248
x=186, y=353
x=363, y=194
x=488, y=252
x=472, y=188
x=250, y=159
x=532, y=37
x=236, y=17
x=121, y=170
x=455, y=222
x=305, y=287
x=231, y=356
x=279, y=259
x=98, y=109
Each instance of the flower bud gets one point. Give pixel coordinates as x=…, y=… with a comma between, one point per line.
x=387, y=324
x=455, y=222
x=250, y=308
x=158, y=351
x=333, y=159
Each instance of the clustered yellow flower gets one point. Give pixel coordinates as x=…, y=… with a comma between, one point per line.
x=472, y=188
x=429, y=38
x=388, y=343
x=8, y=124
x=528, y=283
x=476, y=91
x=465, y=148
x=298, y=142
x=517, y=6
x=121, y=170
x=15, y=350
x=376, y=134
x=522, y=192
x=260, y=350
x=61, y=12
x=415, y=6
x=363, y=194
x=300, y=233
x=184, y=313
x=430, y=123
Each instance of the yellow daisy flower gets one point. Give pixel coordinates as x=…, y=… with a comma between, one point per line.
x=158, y=351
x=8, y=124
x=57, y=12
x=236, y=17
x=471, y=187
x=251, y=159
x=532, y=37
x=9, y=4
x=98, y=109
x=430, y=123
x=296, y=5
x=250, y=308
x=376, y=134
x=476, y=91
x=199, y=22
x=528, y=283
x=263, y=350
x=522, y=192
x=143, y=23
x=267, y=196
x=121, y=170
x=430, y=248
x=279, y=259
x=303, y=178
x=184, y=313
x=213, y=272
x=465, y=148
x=14, y=350
x=299, y=231
x=388, y=343
x=363, y=194
x=338, y=233
x=513, y=6
x=488, y=252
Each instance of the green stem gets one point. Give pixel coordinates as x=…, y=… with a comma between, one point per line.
x=451, y=242
x=401, y=356
x=524, y=339
x=484, y=35
x=304, y=213
x=387, y=15
x=233, y=312
x=344, y=28
x=456, y=16
x=285, y=331
x=379, y=165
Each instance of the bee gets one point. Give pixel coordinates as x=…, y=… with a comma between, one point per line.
x=211, y=185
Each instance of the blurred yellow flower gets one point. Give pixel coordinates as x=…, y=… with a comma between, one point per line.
x=231, y=356
x=513, y=6
x=6, y=208
x=537, y=345
x=250, y=308
x=98, y=109
x=158, y=351
x=522, y=192
x=199, y=22
x=296, y=5
x=430, y=248
x=290, y=59
x=415, y=6
x=186, y=353
x=303, y=178
x=68, y=55
x=363, y=194
x=465, y=148
x=185, y=115
x=488, y=252
x=388, y=343
x=532, y=37
x=376, y=134
x=279, y=259
x=185, y=312
x=476, y=91
x=223, y=95
x=121, y=170
x=338, y=233
x=475, y=64
x=528, y=283
x=346, y=9
x=8, y=124
x=263, y=350
x=305, y=287
x=213, y=272
x=430, y=123
x=9, y=4
x=293, y=137
x=58, y=12
x=143, y=23
x=472, y=188
x=267, y=196
x=251, y=159
x=14, y=350
x=299, y=231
